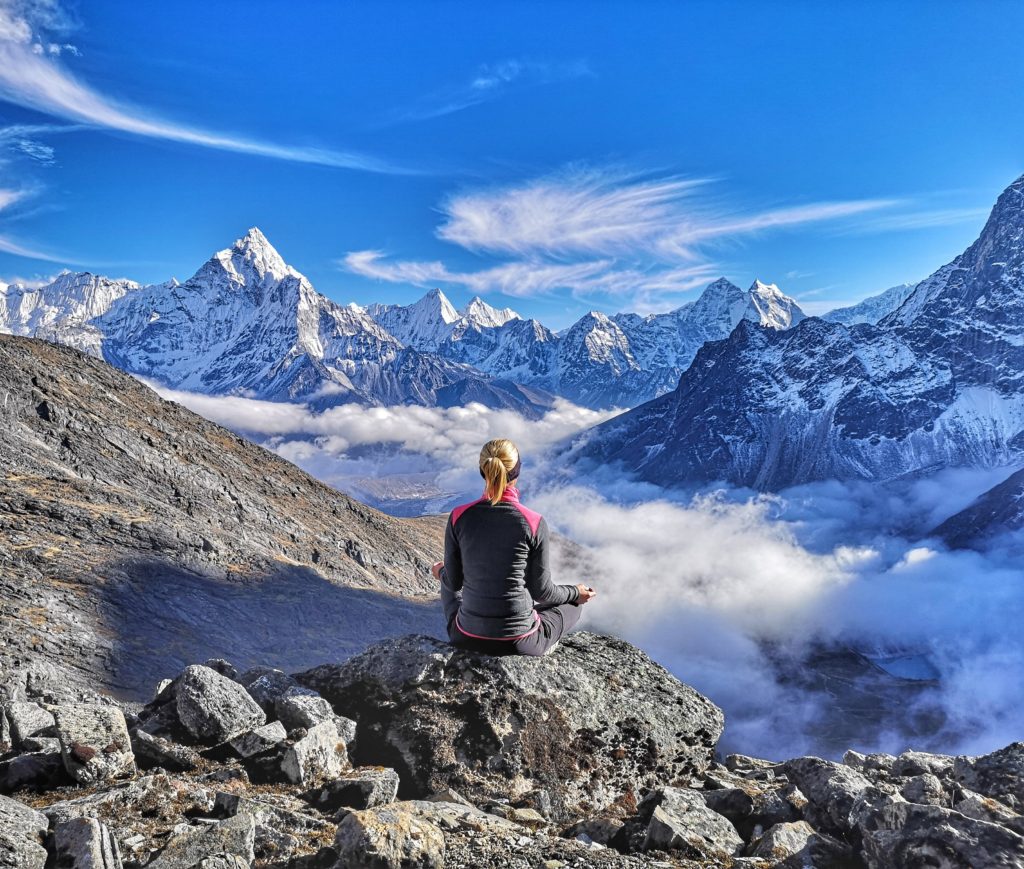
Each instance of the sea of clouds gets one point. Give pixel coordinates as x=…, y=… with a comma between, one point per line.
x=733, y=591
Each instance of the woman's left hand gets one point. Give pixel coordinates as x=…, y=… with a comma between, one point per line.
x=436, y=569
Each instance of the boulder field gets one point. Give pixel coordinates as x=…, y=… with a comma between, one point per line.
x=415, y=754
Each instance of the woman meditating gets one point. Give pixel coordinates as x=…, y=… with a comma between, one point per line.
x=496, y=584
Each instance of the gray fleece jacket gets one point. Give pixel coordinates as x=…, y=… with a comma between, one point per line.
x=496, y=555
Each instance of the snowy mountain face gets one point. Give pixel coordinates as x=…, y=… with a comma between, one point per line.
x=599, y=361
x=246, y=323
x=61, y=310
x=871, y=309
x=938, y=381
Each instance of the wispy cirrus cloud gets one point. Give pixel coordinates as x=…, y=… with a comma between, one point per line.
x=8, y=198
x=490, y=82
x=32, y=76
x=526, y=279
x=597, y=232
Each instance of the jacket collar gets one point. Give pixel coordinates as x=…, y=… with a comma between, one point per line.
x=511, y=494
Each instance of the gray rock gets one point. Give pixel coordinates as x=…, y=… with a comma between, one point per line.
x=5, y=732
x=347, y=731
x=12, y=686
x=756, y=804
x=259, y=740
x=85, y=843
x=26, y=720
x=45, y=744
x=155, y=751
x=265, y=685
x=94, y=743
x=148, y=807
x=456, y=817
x=600, y=830
x=362, y=788
x=300, y=707
x=38, y=770
x=833, y=792
x=925, y=789
x=223, y=861
x=214, y=708
x=999, y=775
x=316, y=757
x=22, y=832
x=280, y=832
x=225, y=668
x=591, y=722
x=783, y=840
x=234, y=837
x=915, y=763
x=987, y=809
x=906, y=834
x=681, y=821
x=395, y=836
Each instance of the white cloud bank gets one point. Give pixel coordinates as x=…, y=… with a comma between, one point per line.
x=708, y=583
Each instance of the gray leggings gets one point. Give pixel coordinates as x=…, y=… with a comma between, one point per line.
x=555, y=622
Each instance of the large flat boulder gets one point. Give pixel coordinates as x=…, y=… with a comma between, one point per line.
x=94, y=743
x=590, y=723
x=213, y=708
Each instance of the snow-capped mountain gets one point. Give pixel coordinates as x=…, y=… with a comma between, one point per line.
x=61, y=310
x=428, y=323
x=248, y=323
x=599, y=361
x=873, y=308
x=938, y=381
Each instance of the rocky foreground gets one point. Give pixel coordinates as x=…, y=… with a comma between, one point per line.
x=413, y=754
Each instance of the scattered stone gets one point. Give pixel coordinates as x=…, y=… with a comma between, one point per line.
x=214, y=708
x=300, y=707
x=592, y=721
x=389, y=837
x=155, y=751
x=259, y=739
x=85, y=843
x=999, y=775
x=782, y=840
x=832, y=791
x=915, y=763
x=22, y=832
x=925, y=789
x=265, y=685
x=224, y=861
x=756, y=805
x=362, y=788
x=234, y=837
x=681, y=821
x=26, y=720
x=141, y=810
x=743, y=763
x=94, y=743
x=317, y=756
x=906, y=834
x=280, y=832
x=600, y=830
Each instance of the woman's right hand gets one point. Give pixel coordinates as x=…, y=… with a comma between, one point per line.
x=586, y=593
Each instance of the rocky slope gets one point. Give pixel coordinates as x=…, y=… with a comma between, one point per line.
x=591, y=756
x=135, y=534
x=873, y=308
x=935, y=383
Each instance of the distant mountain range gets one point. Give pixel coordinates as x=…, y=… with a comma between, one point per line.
x=247, y=323
x=938, y=381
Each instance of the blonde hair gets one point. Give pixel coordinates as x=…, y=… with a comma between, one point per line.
x=497, y=459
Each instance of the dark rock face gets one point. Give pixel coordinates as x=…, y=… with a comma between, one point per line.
x=594, y=721
x=125, y=520
x=934, y=383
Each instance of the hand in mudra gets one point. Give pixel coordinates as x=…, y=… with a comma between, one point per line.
x=586, y=593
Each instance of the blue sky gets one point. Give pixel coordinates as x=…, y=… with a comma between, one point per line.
x=554, y=157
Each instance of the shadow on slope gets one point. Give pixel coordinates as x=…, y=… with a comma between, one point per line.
x=162, y=617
